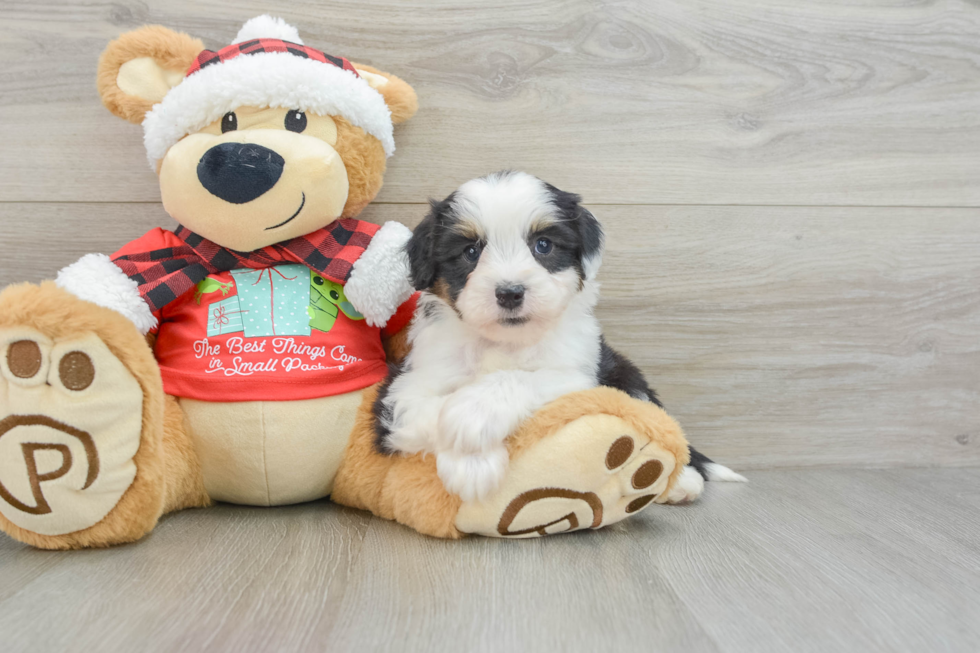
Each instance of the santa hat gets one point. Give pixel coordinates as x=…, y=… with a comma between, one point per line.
x=267, y=65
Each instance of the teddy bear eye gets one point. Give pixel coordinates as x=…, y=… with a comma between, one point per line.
x=318, y=281
x=296, y=121
x=334, y=295
x=229, y=122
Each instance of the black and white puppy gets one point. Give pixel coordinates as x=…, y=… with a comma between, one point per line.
x=508, y=264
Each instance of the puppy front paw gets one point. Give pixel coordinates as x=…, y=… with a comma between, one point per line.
x=687, y=488
x=473, y=477
x=468, y=422
x=412, y=427
x=406, y=440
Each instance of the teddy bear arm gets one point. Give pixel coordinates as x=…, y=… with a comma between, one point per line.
x=95, y=278
x=379, y=281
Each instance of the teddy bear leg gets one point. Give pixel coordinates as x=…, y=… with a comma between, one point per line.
x=91, y=450
x=183, y=473
x=405, y=489
x=588, y=460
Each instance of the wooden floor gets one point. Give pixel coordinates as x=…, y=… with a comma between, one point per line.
x=791, y=192
x=815, y=560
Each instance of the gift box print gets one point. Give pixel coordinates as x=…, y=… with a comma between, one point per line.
x=274, y=301
x=224, y=317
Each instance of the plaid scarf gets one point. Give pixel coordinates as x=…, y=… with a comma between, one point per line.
x=163, y=275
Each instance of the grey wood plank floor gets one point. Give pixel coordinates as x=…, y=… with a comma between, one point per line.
x=626, y=101
x=797, y=560
x=836, y=326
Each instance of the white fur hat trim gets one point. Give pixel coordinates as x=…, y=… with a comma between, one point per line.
x=265, y=79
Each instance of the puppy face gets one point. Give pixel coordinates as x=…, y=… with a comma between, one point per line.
x=508, y=252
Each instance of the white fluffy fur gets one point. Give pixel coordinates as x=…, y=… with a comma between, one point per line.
x=269, y=79
x=378, y=283
x=688, y=487
x=591, y=265
x=267, y=27
x=718, y=472
x=95, y=278
x=469, y=381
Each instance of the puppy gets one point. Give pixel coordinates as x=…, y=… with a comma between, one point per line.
x=505, y=325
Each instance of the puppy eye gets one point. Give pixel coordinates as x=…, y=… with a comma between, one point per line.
x=229, y=122
x=543, y=246
x=318, y=281
x=296, y=121
x=472, y=252
x=334, y=295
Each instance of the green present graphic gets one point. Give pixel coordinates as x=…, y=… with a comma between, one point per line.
x=274, y=300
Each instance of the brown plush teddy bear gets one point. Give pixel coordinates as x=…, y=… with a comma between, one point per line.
x=236, y=357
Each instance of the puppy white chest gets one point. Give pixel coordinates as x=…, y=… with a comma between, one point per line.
x=496, y=359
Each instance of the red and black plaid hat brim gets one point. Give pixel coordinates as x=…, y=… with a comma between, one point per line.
x=257, y=46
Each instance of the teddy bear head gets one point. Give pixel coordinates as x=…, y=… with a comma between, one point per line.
x=259, y=142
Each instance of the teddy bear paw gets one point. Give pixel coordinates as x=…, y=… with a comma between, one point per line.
x=70, y=425
x=593, y=472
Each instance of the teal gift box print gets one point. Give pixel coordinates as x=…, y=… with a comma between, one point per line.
x=224, y=317
x=274, y=300
x=285, y=300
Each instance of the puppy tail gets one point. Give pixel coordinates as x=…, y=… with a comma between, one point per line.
x=716, y=472
x=712, y=471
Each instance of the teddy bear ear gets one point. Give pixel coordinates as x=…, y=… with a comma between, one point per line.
x=140, y=67
x=398, y=95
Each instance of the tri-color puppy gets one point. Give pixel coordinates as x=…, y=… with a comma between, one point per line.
x=508, y=264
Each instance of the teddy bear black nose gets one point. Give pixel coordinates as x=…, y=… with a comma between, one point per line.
x=239, y=172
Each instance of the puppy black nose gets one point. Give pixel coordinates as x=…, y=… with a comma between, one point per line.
x=239, y=172
x=510, y=297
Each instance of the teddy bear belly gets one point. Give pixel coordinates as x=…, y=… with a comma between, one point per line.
x=269, y=453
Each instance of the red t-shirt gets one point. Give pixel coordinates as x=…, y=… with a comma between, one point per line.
x=275, y=334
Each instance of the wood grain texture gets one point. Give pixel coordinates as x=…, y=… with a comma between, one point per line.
x=777, y=336
x=784, y=336
x=221, y=579
x=781, y=336
x=677, y=102
x=811, y=560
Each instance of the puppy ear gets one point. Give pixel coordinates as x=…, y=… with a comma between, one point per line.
x=398, y=95
x=590, y=231
x=593, y=242
x=140, y=67
x=421, y=249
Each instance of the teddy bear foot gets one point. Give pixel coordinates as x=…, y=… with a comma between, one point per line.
x=70, y=425
x=594, y=471
x=81, y=424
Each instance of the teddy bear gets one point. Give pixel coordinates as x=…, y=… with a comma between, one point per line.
x=237, y=357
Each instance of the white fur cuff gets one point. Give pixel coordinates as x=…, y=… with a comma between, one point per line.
x=379, y=282
x=270, y=79
x=95, y=278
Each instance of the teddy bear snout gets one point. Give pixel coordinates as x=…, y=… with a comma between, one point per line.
x=239, y=172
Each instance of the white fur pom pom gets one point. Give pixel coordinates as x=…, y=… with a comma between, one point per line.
x=267, y=27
